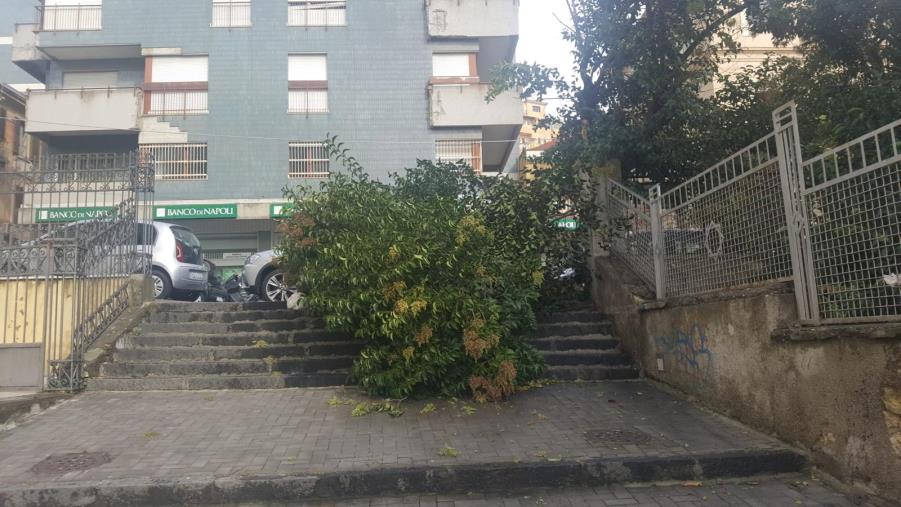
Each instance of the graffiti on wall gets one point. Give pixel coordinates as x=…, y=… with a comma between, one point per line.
x=688, y=350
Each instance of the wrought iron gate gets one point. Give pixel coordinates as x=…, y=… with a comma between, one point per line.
x=75, y=230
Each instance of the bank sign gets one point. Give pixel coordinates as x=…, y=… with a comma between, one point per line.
x=569, y=224
x=58, y=215
x=195, y=212
x=281, y=210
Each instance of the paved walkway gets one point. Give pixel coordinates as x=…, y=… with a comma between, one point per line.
x=174, y=435
x=784, y=492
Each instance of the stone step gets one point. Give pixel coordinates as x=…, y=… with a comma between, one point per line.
x=574, y=328
x=220, y=382
x=285, y=365
x=173, y=306
x=592, y=373
x=259, y=339
x=586, y=358
x=230, y=327
x=585, y=315
x=585, y=342
x=200, y=353
x=225, y=316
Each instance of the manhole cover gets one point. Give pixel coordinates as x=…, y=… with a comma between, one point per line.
x=618, y=436
x=74, y=462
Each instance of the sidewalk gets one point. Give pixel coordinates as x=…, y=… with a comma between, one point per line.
x=234, y=446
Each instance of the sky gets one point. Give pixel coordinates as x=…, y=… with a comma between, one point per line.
x=539, y=35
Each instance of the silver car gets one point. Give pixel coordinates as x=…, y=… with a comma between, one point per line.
x=263, y=276
x=178, y=269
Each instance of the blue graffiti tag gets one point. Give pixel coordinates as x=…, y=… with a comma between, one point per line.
x=690, y=350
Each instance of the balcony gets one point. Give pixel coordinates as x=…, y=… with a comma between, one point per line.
x=84, y=111
x=473, y=18
x=68, y=18
x=25, y=52
x=463, y=105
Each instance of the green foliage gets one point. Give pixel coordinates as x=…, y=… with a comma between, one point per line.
x=640, y=66
x=437, y=271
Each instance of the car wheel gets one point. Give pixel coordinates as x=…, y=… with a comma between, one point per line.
x=162, y=285
x=274, y=288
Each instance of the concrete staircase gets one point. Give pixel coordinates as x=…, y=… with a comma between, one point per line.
x=577, y=345
x=189, y=346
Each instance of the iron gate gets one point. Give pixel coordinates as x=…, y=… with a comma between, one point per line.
x=75, y=230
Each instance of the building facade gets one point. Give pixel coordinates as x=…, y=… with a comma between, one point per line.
x=233, y=98
x=532, y=134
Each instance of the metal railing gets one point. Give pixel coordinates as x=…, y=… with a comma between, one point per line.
x=308, y=160
x=308, y=101
x=831, y=224
x=74, y=240
x=177, y=161
x=178, y=102
x=852, y=199
x=231, y=13
x=317, y=13
x=58, y=18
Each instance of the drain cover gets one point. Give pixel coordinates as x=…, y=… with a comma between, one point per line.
x=618, y=436
x=58, y=464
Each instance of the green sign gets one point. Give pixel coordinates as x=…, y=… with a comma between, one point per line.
x=55, y=215
x=280, y=210
x=196, y=212
x=568, y=223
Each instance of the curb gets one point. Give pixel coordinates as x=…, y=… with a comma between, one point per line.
x=484, y=478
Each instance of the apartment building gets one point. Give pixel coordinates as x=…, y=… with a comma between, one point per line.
x=533, y=134
x=234, y=97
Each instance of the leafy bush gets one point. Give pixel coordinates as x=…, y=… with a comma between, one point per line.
x=437, y=271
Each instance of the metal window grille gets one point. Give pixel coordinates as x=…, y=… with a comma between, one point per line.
x=231, y=13
x=317, y=13
x=179, y=103
x=308, y=160
x=72, y=243
x=70, y=17
x=852, y=199
x=177, y=161
x=468, y=151
x=308, y=101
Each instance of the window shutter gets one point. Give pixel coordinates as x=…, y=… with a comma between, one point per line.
x=307, y=68
x=180, y=69
x=450, y=65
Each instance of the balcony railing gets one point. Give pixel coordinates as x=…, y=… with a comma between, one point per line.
x=177, y=161
x=165, y=100
x=83, y=110
x=468, y=151
x=231, y=14
x=317, y=13
x=59, y=18
x=463, y=105
x=308, y=101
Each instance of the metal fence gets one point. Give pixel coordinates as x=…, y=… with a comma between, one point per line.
x=231, y=13
x=317, y=12
x=74, y=236
x=56, y=18
x=831, y=224
x=177, y=161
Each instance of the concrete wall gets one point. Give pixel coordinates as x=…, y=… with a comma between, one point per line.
x=12, y=12
x=460, y=105
x=473, y=18
x=839, y=398
x=60, y=111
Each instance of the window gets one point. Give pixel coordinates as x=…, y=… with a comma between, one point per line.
x=61, y=15
x=454, y=65
x=231, y=13
x=176, y=85
x=536, y=109
x=307, y=84
x=317, y=13
x=177, y=161
x=465, y=150
x=308, y=160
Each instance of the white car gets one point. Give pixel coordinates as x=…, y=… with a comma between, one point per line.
x=263, y=276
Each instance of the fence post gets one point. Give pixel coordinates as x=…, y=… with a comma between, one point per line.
x=658, y=244
x=788, y=146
